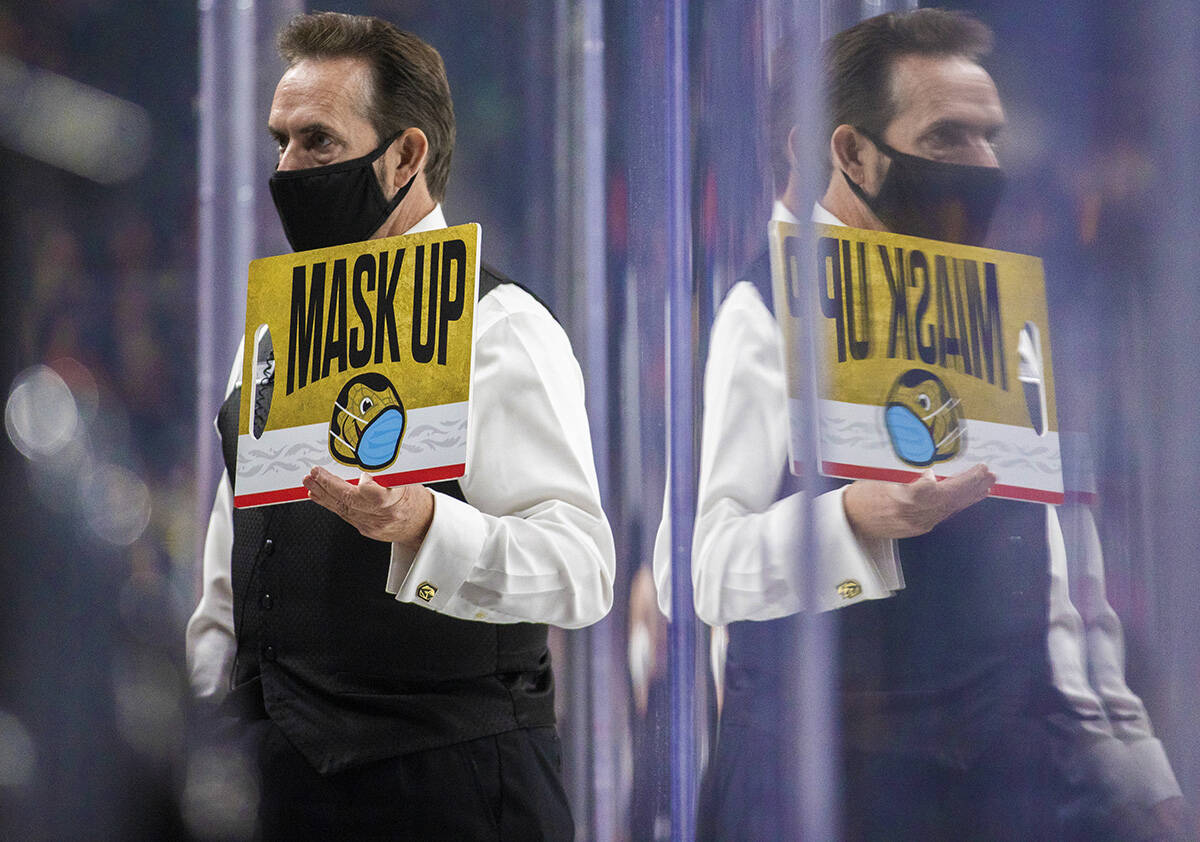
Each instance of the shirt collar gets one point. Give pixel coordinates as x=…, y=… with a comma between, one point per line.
x=824, y=217
x=429, y=222
x=781, y=213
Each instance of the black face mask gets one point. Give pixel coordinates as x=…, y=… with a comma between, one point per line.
x=335, y=204
x=923, y=198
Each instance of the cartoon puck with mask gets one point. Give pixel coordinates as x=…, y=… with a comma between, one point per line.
x=367, y=424
x=924, y=419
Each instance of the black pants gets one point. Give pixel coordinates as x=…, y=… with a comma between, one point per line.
x=505, y=787
x=1009, y=795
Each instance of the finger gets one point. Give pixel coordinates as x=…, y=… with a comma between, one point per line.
x=339, y=504
x=319, y=478
x=329, y=491
x=967, y=488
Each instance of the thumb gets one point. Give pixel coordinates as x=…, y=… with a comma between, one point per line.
x=969, y=487
x=369, y=487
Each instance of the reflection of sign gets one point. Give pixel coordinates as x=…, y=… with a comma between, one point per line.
x=924, y=420
x=931, y=356
x=358, y=357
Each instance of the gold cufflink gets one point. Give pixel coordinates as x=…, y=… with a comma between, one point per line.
x=849, y=589
x=426, y=591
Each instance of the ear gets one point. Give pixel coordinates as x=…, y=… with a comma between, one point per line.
x=407, y=155
x=848, y=150
x=793, y=148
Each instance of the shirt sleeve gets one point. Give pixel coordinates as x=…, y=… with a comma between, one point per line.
x=747, y=539
x=532, y=543
x=210, y=636
x=1102, y=648
x=210, y=641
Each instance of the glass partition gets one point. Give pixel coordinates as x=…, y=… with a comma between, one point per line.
x=623, y=160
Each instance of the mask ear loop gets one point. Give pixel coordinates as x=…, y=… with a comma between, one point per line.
x=857, y=190
x=953, y=435
x=403, y=191
x=343, y=441
x=946, y=407
x=351, y=414
x=362, y=421
x=396, y=200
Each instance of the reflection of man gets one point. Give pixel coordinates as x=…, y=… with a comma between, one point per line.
x=963, y=679
x=387, y=653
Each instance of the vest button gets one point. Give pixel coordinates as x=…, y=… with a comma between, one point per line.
x=265, y=601
x=268, y=652
x=269, y=546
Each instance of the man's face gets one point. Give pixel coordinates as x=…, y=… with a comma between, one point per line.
x=319, y=114
x=947, y=109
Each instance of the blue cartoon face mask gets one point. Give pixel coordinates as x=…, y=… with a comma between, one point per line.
x=910, y=437
x=367, y=423
x=380, y=441
x=924, y=420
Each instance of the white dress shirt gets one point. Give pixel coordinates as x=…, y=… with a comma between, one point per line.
x=531, y=544
x=746, y=544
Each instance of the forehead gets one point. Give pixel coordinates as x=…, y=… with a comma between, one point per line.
x=931, y=89
x=332, y=91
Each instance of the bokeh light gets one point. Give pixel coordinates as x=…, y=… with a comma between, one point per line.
x=18, y=754
x=40, y=415
x=221, y=794
x=148, y=690
x=71, y=125
x=116, y=504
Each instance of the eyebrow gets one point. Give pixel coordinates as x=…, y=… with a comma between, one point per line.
x=311, y=128
x=960, y=125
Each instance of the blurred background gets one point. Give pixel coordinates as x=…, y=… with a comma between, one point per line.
x=133, y=168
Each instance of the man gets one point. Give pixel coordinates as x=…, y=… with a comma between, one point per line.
x=385, y=649
x=963, y=680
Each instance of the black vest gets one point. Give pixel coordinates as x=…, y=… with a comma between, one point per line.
x=942, y=667
x=348, y=673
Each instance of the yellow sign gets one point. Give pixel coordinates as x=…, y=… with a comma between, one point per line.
x=931, y=356
x=358, y=358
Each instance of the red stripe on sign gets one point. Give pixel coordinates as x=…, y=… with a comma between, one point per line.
x=425, y=475
x=838, y=469
x=266, y=498
x=288, y=495
x=1012, y=492
x=1034, y=495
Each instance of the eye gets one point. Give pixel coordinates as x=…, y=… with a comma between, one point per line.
x=947, y=136
x=924, y=401
x=365, y=404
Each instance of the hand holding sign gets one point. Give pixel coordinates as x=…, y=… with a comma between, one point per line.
x=892, y=510
x=400, y=515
